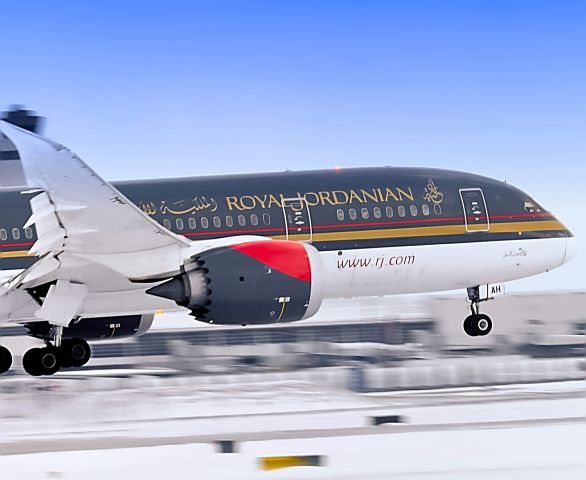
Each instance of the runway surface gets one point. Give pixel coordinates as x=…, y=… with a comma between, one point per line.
x=499, y=432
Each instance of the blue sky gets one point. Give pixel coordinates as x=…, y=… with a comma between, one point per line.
x=173, y=88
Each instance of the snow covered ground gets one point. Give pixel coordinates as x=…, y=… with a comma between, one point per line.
x=519, y=431
x=511, y=453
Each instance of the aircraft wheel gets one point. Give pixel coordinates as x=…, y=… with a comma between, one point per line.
x=30, y=362
x=41, y=361
x=75, y=352
x=482, y=324
x=469, y=326
x=65, y=350
x=49, y=360
x=5, y=359
x=477, y=325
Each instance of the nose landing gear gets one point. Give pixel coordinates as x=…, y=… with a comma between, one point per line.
x=477, y=324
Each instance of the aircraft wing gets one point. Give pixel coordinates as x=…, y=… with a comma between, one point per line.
x=78, y=212
x=90, y=236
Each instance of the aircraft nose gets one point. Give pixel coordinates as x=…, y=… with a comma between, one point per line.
x=571, y=248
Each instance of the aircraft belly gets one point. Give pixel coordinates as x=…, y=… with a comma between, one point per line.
x=425, y=268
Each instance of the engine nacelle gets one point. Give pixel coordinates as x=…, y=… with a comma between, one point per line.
x=99, y=328
x=259, y=282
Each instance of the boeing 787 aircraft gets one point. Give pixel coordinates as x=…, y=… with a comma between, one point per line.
x=83, y=259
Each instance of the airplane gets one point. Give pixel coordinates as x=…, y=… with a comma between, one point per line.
x=85, y=259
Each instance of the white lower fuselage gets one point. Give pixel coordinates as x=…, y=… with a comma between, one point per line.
x=379, y=271
x=428, y=268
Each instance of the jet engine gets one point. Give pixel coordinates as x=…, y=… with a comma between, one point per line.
x=258, y=282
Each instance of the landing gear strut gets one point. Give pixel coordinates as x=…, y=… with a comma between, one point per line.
x=477, y=324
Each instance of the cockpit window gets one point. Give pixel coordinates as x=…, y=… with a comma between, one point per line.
x=532, y=207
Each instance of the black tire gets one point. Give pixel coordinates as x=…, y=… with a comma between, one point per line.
x=30, y=362
x=482, y=325
x=64, y=350
x=49, y=360
x=470, y=326
x=75, y=352
x=5, y=359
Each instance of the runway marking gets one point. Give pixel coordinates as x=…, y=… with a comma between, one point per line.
x=30, y=446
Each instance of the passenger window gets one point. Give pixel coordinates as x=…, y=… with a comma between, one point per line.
x=179, y=224
x=241, y=220
x=365, y=213
x=16, y=234
x=192, y=223
x=389, y=212
x=413, y=210
x=167, y=224
x=229, y=221
x=204, y=222
x=340, y=214
x=401, y=211
x=217, y=222
x=28, y=232
x=425, y=209
x=352, y=214
x=254, y=219
x=266, y=219
x=376, y=212
x=3, y=234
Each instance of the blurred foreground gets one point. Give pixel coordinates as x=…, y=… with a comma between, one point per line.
x=388, y=389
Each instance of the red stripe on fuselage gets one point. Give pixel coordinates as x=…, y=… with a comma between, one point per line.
x=358, y=224
x=334, y=226
x=287, y=257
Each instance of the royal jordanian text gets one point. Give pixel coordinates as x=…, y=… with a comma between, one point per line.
x=332, y=197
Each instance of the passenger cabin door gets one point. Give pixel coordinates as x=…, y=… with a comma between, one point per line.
x=297, y=219
x=475, y=211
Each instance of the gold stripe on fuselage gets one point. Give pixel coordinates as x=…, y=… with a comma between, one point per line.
x=15, y=254
x=512, y=227
x=439, y=230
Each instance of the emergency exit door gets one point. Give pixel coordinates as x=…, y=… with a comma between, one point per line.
x=475, y=212
x=297, y=219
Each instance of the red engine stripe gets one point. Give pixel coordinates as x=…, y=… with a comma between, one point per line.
x=287, y=257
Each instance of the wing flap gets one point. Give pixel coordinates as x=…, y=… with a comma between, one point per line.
x=64, y=301
x=50, y=234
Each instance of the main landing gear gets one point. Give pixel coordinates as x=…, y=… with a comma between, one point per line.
x=477, y=324
x=5, y=359
x=58, y=353
x=49, y=360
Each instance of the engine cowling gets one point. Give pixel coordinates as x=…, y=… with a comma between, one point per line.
x=258, y=282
